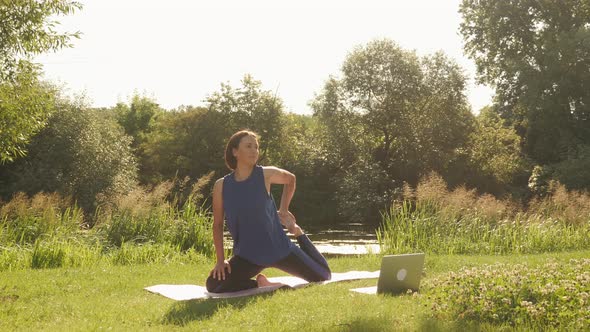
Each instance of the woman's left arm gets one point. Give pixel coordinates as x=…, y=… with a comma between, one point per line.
x=287, y=179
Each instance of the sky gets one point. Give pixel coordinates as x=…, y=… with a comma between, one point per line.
x=178, y=52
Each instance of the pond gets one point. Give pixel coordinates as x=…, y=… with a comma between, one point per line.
x=344, y=239
x=338, y=239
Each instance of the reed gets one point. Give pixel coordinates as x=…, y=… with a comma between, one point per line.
x=436, y=220
x=24, y=220
x=142, y=226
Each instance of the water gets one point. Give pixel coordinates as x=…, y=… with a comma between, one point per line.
x=344, y=239
x=339, y=239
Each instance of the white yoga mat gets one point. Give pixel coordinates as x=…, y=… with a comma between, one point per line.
x=366, y=290
x=192, y=292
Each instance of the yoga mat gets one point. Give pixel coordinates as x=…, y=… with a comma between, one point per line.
x=365, y=290
x=192, y=292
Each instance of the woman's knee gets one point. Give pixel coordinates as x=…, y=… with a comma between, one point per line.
x=212, y=284
x=327, y=274
x=321, y=275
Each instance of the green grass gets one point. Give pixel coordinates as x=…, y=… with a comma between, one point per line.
x=54, y=253
x=111, y=297
x=56, y=273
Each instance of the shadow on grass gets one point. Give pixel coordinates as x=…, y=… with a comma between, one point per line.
x=362, y=324
x=436, y=325
x=184, y=312
x=424, y=323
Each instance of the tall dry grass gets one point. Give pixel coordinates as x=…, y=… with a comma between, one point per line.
x=432, y=191
x=433, y=218
x=159, y=216
x=25, y=219
x=571, y=207
x=48, y=230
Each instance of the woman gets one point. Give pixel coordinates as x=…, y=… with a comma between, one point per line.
x=243, y=199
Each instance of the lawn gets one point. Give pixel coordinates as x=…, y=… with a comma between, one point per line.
x=111, y=297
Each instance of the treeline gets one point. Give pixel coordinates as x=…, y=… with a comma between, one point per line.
x=387, y=119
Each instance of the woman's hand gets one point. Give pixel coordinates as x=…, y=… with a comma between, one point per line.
x=218, y=271
x=287, y=219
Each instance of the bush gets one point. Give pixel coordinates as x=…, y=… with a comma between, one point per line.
x=574, y=172
x=363, y=192
x=80, y=153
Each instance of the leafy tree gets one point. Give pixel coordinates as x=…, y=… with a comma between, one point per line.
x=254, y=108
x=24, y=106
x=26, y=29
x=381, y=81
x=304, y=153
x=574, y=172
x=364, y=191
x=391, y=118
x=80, y=153
x=138, y=119
x=414, y=110
x=495, y=153
x=537, y=56
x=342, y=134
x=341, y=143
x=188, y=141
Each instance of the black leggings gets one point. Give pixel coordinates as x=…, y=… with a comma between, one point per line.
x=304, y=262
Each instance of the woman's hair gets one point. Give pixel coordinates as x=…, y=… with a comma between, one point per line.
x=234, y=141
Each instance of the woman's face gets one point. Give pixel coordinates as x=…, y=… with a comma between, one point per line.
x=247, y=151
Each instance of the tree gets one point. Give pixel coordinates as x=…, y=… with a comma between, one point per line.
x=414, y=109
x=254, y=108
x=537, y=56
x=188, y=141
x=80, y=153
x=442, y=121
x=381, y=81
x=341, y=129
x=390, y=119
x=138, y=119
x=306, y=154
x=574, y=172
x=495, y=153
x=26, y=30
x=24, y=106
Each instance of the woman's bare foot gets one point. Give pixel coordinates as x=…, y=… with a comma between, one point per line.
x=263, y=281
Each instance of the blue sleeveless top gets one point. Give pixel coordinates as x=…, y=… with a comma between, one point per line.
x=252, y=219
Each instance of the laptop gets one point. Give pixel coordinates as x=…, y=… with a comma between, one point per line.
x=400, y=273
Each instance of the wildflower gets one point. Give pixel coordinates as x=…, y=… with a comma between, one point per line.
x=525, y=304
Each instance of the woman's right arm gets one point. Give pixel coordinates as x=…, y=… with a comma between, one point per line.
x=218, y=271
